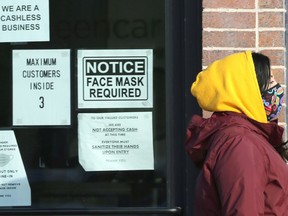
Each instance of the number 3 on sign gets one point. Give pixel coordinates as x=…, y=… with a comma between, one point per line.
x=41, y=105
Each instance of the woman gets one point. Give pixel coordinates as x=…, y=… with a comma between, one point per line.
x=241, y=172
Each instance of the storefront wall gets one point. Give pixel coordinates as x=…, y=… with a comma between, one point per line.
x=94, y=106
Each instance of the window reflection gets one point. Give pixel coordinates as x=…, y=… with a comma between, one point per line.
x=50, y=155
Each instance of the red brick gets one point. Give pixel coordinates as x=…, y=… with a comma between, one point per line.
x=228, y=20
x=271, y=3
x=228, y=39
x=276, y=56
x=271, y=19
x=281, y=117
x=210, y=56
x=271, y=39
x=279, y=75
x=228, y=3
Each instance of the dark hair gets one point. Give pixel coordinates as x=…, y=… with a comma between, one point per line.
x=263, y=74
x=282, y=149
x=262, y=68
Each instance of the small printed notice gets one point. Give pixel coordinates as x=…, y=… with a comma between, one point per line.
x=41, y=87
x=115, y=141
x=24, y=20
x=14, y=186
x=115, y=78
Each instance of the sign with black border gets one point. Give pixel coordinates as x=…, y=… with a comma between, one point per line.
x=115, y=141
x=115, y=78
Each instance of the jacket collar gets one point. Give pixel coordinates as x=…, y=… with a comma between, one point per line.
x=199, y=131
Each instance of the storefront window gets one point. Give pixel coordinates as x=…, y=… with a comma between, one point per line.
x=50, y=145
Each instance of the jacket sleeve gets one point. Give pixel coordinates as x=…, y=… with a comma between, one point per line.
x=240, y=176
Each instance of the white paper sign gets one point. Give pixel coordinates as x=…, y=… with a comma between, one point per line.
x=41, y=87
x=115, y=141
x=14, y=186
x=24, y=20
x=115, y=78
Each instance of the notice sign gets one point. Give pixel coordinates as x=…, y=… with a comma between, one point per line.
x=14, y=186
x=24, y=20
x=41, y=87
x=115, y=78
x=115, y=141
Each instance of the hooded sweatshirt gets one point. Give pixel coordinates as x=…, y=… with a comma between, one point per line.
x=230, y=84
x=241, y=173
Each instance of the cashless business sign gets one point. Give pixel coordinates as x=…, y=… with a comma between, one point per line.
x=24, y=20
x=115, y=78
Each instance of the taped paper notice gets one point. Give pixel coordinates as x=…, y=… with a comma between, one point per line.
x=14, y=186
x=24, y=20
x=41, y=87
x=116, y=141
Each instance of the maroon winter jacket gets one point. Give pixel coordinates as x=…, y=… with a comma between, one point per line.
x=241, y=172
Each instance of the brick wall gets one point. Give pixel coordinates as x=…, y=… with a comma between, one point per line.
x=238, y=25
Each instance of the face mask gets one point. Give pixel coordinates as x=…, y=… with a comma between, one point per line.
x=273, y=100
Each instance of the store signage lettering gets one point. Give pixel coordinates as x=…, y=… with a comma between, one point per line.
x=109, y=67
x=138, y=28
x=123, y=79
x=24, y=20
x=43, y=76
x=41, y=73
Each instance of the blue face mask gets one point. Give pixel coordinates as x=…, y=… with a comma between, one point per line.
x=273, y=98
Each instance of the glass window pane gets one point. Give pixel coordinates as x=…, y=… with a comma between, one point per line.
x=50, y=154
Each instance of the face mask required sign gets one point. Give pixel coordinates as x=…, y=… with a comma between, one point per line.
x=41, y=87
x=115, y=141
x=115, y=78
x=24, y=20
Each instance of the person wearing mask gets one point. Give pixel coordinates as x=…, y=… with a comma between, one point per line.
x=239, y=149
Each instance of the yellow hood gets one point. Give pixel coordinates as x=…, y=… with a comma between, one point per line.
x=230, y=84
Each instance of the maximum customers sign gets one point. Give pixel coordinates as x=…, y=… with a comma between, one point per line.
x=115, y=78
